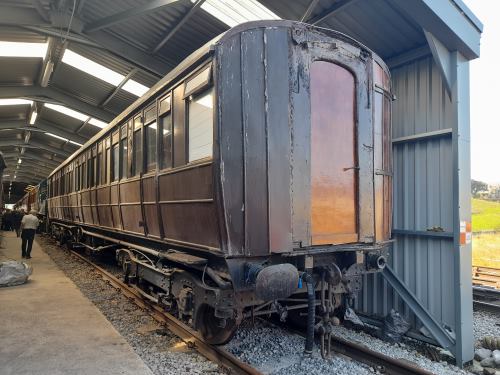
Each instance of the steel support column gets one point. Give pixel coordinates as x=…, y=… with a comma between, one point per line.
x=460, y=95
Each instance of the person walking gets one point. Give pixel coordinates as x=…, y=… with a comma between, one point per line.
x=29, y=224
x=16, y=218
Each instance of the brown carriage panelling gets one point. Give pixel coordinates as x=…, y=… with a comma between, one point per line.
x=104, y=210
x=231, y=143
x=191, y=222
x=333, y=159
x=87, y=212
x=193, y=183
x=255, y=141
x=131, y=211
x=130, y=191
x=105, y=218
x=103, y=195
x=93, y=205
x=179, y=127
x=151, y=214
x=148, y=189
x=117, y=221
x=114, y=194
x=132, y=218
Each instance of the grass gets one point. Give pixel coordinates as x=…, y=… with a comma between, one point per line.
x=485, y=215
x=486, y=250
x=485, y=246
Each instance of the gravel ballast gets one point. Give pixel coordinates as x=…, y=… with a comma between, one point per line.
x=269, y=348
x=163, y=352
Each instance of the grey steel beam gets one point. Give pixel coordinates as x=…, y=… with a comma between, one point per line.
x=462, y=254
x=56, y=33
x=127, y=14
x=17, y=16
x=421, y=233
x=409, y=56
x=42, y=126
x=441, y=335
x=444, y=18
x=29, y=18
x=117, y=88
x=52, y=128
x=179, y=24
x=130, y=53
x=79, y=7
x=56, y=95
x=335, y=8
x=41, y=10
x=36, y=156
x=423, y=136
x=34, y=144
x=49, y=163
x=309, y=10
x=53, y=56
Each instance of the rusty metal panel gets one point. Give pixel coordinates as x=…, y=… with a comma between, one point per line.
x=230, y=138
x=333, y=159
x=255, y=145
x=279, y=139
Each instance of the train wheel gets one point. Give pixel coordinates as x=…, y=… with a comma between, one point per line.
x=214, y=330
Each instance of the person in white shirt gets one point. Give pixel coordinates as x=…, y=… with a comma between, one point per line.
x=29, y=224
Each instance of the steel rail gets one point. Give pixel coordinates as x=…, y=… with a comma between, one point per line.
x=379, y=361
x=192, y=338
x=360, y=353
x=486, y=296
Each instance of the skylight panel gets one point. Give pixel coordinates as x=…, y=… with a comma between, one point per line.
x=67, y=111
x=18, y=49
x=15, y=102
x=76, y=143
x=90, y=67
x=135, y=87
x=234, y=12
x=98, y=123
x=57, y=136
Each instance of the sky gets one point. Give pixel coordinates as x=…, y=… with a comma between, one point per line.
x=485, y=95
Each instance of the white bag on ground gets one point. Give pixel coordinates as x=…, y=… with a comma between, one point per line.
x=14, y=273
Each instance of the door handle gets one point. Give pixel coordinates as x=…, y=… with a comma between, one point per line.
x=349, y=168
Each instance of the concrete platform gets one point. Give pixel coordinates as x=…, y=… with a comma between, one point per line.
x=47, y=326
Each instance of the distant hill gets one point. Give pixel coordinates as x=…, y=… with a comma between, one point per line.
x=485, y=215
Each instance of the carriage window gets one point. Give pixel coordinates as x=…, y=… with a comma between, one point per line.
x=115, y=156
x=166, y=141
x=84, y=175
x=91, y=172
x=200, y=131
x=124, y=157
x=137, y=153
x=107, y=163
x=99, y=166
x=150, y=133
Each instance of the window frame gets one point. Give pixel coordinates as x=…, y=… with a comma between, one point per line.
x=163, y=112
x=148, y=121
x=187, y=103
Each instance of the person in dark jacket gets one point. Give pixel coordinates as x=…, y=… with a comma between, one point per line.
x=7, y=224
x=16, y=218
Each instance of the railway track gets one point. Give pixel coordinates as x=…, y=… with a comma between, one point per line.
x=360, y=353
x=486, y=286
x=190, y=337
x=486, y=277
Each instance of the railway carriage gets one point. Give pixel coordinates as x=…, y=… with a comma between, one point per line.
x=257, y=170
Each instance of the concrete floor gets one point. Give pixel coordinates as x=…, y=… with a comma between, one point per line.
x=48, y=327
